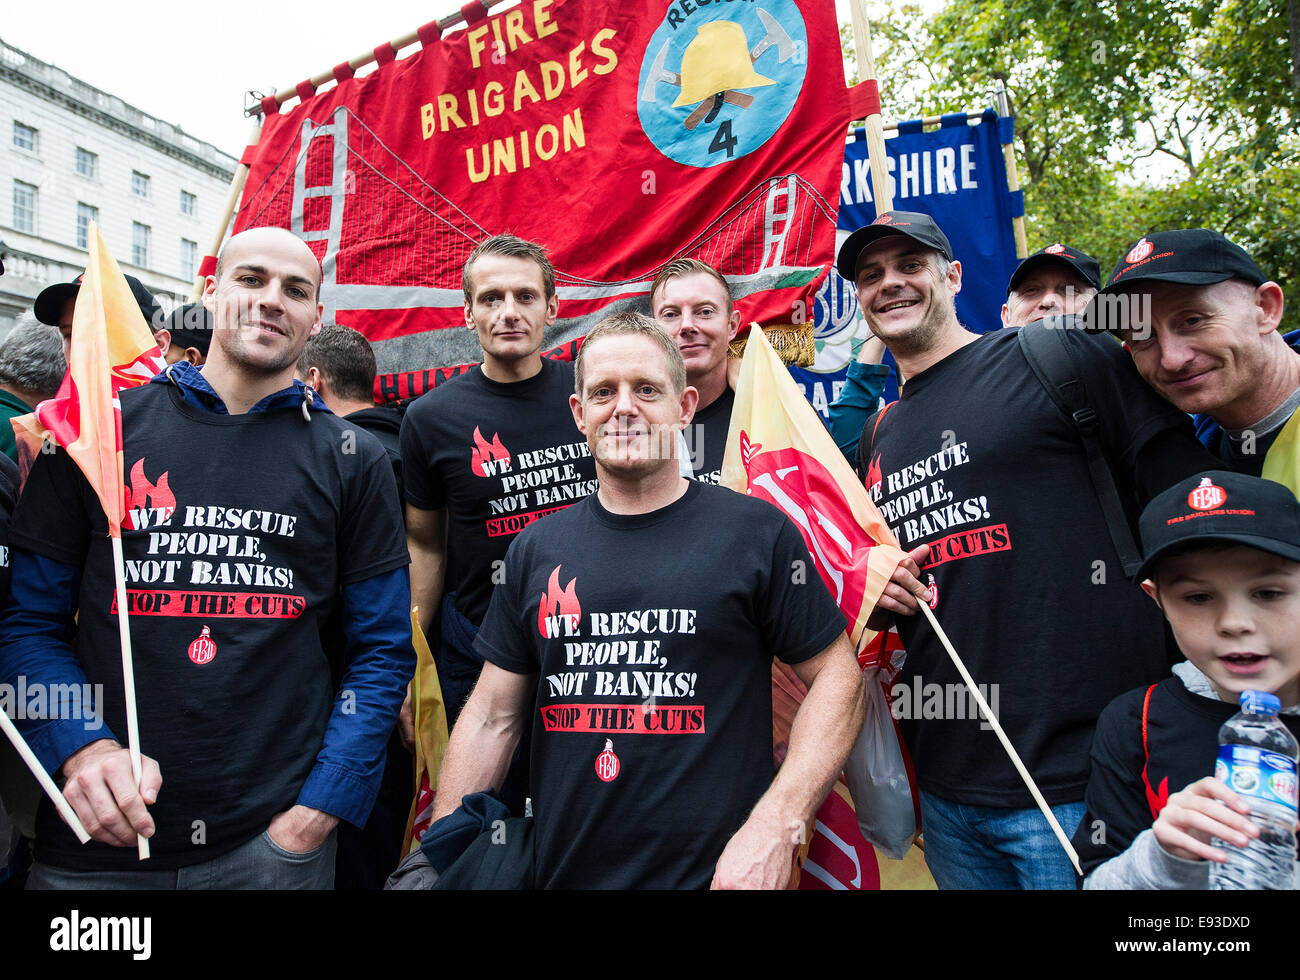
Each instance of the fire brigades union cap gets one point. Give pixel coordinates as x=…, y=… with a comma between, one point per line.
x=912, y=224
x=1221, y=506
x=1088, y=268
x=1193, y=256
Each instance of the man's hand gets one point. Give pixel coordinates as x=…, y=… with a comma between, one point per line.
x=102, y=792
x=759, y=855
x=301, y=829
x=406, y=722
x=903, y=591
x=1201, y=811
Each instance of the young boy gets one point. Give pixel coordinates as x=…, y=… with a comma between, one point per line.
x=1223, y=563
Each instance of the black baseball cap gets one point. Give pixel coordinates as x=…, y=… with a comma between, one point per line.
x=1085, y=265
x=49, y=304
x=1194, y=256
x=914, y=225
x=1221, y=506
x=190, y=326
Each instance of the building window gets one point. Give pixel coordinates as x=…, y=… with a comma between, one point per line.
x=87, y=163
x=24, y=137
x=139, y=184
x=189, y=258
x=140, y=245
x=85, y=215
x=187, y=203
x=25, y=207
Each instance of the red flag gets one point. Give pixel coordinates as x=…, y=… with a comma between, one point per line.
x=112, y=349
x=778, y=449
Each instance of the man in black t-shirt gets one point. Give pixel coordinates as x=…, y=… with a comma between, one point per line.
x=693, y=302
x=987, y=484
x=1201, y=322
x=250, y=516
x=485, y=455
x=634, y=634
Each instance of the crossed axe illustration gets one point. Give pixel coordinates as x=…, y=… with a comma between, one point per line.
x=776, y=37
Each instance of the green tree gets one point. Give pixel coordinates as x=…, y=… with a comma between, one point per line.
x=1130, y=117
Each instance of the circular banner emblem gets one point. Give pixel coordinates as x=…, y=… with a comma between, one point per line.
x=716, y=83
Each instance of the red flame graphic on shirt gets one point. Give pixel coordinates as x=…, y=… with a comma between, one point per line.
x=143, y=497
x=873, y=472
x=485, y=451
x=558, y=603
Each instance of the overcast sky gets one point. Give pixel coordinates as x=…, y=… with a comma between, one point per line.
x=191, y=64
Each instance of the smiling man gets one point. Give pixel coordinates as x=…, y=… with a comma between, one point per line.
x=1201, y=321
x=253, y=513
x=488, y=453
x=1056, y=280
x=692, y=301
x=642, y=662
x=986, y=483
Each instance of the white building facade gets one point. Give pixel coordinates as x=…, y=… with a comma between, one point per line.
x=71, y=154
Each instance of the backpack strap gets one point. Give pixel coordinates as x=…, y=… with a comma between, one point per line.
x=879, y=418
x=1050, y=360
x=1155, y=800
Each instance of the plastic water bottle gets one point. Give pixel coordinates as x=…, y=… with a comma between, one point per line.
x=1257, y=759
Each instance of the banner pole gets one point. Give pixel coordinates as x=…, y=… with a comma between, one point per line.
x=57, y=798
x=992, y=720
x=227, y=209
x=361, y=60
x=128, y=678
x=880, y=192
x=1013, y=177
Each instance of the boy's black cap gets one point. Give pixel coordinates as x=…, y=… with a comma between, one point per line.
x=1221, y=506
x=1088, y=268
x=190, y=326
x=916, y=226
x=49, y=304
x=1194, y=256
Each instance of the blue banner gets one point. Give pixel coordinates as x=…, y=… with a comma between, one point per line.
x=957, y=175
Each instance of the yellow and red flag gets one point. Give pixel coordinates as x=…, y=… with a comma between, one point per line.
x=112, y=348
x=778, y=449
x=430, y=719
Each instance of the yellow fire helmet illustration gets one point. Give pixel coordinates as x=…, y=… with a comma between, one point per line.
x=717, y=60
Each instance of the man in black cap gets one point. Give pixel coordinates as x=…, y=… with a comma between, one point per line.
x=1201, y=321
x=55, y=306
x=189, y=330
x=986, y=483
x=1056, y=280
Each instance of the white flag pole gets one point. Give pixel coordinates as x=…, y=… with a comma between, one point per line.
x=43, y=777
x=1002, y=737
x=128, y=679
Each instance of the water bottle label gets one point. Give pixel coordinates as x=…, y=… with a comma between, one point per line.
x=1257, y=773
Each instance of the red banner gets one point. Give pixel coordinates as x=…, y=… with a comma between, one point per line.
x=618, y=135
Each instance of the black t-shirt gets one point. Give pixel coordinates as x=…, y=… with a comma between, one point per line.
x=241, y=531
x=977, y=461
x=497, y=457
x=652, y=726
x=706, y=437
x=1183, y=738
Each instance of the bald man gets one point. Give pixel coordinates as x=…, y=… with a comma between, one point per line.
x=253, y=513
